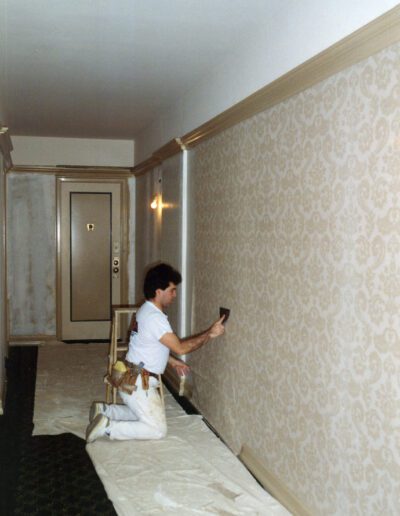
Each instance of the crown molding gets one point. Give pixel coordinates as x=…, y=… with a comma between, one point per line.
x=110, y=172
x=168, y=150
x=366, y=41
x=145, y=166
x=361, y=44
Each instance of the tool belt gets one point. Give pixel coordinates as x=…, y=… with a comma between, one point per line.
x=124, y=375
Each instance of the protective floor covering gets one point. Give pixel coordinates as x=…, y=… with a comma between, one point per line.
x=191, y=472
x=69, y=377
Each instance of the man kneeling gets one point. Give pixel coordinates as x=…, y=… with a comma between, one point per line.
x=142, y=416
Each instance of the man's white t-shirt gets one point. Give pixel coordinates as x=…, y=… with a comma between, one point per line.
x=144, y=344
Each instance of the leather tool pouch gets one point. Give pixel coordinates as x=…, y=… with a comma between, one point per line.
x=124, y=378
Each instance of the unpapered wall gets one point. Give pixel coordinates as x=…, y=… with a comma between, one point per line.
x=32, y=253
x=3, y=345
x=297, y=231
x=31, y=250
x=159, y=235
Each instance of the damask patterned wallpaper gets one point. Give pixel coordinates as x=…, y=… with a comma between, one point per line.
x=298, y=232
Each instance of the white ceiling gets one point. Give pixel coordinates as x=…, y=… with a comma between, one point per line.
x=105, y=68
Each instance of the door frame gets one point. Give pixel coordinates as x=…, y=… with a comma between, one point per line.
x=124, y=213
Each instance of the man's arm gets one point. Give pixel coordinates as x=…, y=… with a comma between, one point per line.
x=189, y=344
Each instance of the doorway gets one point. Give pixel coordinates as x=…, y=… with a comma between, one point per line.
x=91, y=256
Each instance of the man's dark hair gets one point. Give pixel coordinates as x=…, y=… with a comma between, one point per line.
x=160, y=276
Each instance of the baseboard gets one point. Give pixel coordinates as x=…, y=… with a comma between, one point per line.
x=180, y=384
x=272, y=484
x=29, y=340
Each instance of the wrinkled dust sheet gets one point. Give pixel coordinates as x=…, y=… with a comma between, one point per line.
x=69, y=377
x=190, y=472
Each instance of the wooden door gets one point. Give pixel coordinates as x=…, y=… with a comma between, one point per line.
x=90, y=257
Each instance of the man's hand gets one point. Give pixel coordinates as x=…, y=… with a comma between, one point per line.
x=217, y=328
x=181, y=368
x=189, y=344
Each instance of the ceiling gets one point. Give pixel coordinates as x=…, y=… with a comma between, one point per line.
x=106, y=68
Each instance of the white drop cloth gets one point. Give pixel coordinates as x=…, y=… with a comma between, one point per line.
x=190, y=472
x=69, y=377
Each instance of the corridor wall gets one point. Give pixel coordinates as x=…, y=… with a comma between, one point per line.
x=31, y=250
x=3, y=330
x=32, y=254
x=297, y=231
x=148, y=223
x=171, y=228
x=159, y=234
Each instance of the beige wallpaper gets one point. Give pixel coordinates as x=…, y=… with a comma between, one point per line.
x=298, y=232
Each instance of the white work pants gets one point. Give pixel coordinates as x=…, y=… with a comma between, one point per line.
x=141, y=417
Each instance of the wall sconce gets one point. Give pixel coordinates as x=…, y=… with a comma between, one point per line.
x=157, y=203
x=154, y=203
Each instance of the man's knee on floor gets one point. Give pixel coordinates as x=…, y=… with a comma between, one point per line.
x=158, y=430
x=163, y=433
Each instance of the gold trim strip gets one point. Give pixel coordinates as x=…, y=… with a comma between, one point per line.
x=112, y=172
x=166, y=151
x=366, y=41
x=271, y=483
x=145, y=166
x=169, y=149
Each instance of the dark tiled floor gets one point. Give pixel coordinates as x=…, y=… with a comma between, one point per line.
x=43, y=475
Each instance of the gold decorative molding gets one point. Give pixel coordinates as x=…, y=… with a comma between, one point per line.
x=168, y=150
x=145, y=166
x=111, y=172
x=272, y=484
x=366, y=41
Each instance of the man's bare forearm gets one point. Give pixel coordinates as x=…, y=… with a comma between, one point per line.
x=189, y=344
x=194, y=342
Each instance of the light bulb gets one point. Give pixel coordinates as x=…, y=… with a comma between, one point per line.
x=154, y=203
